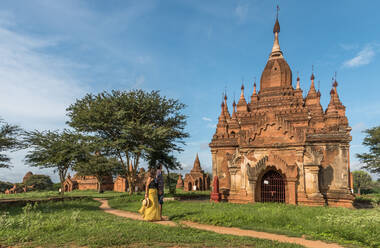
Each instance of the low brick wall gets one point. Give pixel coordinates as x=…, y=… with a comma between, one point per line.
x=23, y=202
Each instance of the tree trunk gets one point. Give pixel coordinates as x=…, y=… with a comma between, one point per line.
x=130, y=185
x=100, y=184
x=62, y=188
x=62, y=179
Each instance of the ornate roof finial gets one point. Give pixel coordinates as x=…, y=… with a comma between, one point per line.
x=276, y=28
x=254, y=87
x=276, y=51
x=298, y=81
x=312, y=73
x=335, y=84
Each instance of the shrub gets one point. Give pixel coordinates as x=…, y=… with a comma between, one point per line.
x=40, y=182
x=5, y=185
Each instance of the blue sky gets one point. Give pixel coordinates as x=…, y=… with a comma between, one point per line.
x=53, y=52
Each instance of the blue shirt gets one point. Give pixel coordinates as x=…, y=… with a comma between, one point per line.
x=160, y=181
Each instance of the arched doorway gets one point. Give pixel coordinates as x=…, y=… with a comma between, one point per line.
x=190, y=186
x=272, y=187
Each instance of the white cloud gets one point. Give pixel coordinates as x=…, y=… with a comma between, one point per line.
x=206, y=119
x=364, y=57
x=36, y=88
x=241, y=11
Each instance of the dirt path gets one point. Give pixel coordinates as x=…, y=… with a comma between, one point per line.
x=222, y=230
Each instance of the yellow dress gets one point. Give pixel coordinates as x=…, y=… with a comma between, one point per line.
x=152, y=211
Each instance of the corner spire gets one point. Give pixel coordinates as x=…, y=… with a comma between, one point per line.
x=226, y=112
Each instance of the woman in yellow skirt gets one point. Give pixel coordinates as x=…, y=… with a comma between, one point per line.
x=151, y=212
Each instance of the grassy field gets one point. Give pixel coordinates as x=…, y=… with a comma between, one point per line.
x=345, y=226
x=80, y=223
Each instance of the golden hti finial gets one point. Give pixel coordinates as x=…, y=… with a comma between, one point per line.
x=276, y=50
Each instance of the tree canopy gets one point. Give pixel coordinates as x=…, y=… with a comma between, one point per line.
x=39, y=182
x=371, y=159
x=362, y=180
x=9, y=141
x=134, y=125
x=93, y=161
x=53, y=149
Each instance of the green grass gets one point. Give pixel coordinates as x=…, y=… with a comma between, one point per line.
x=47, y=194
x=91, y=193
x=80, y=223
x=345, y=226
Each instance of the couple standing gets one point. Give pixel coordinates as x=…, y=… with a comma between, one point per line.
x=154, y=191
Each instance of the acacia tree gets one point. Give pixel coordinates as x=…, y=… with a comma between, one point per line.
x=53, y=149
x=371, y=160
x=129, y=124
x=362, y=180
x=9, y=141
x=93, y=161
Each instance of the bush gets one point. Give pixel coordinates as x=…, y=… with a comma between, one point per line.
x=5, y=185
x=56, y=186
x=40, y=182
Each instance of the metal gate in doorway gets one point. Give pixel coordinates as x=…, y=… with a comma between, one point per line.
x=272, y=187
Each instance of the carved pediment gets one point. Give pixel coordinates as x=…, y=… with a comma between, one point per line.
x=312, y=156
x=234, y=161
x=272, y=160
x=253, y=171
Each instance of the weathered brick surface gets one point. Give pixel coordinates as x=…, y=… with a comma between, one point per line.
x=196, y=178
x=281, y=130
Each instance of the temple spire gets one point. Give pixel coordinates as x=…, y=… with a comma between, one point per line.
x=222, y=116
x=312, y=92
x=242, y=91
x=242, y=104
x=197, y=165
x=276, y=50
x=226, y=112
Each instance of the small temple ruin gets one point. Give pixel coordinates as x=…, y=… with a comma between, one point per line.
x=281, y=146
x=197, y=179
x=179, y=182
x=86, y=183
x=91, y=183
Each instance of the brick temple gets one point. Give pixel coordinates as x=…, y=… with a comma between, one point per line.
x=197, y=179
x=281, y=146
x=86, y=183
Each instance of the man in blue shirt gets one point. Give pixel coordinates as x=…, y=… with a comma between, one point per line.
x=160, y=183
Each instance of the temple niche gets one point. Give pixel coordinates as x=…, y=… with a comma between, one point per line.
x=197, y=179
x=281, y=146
